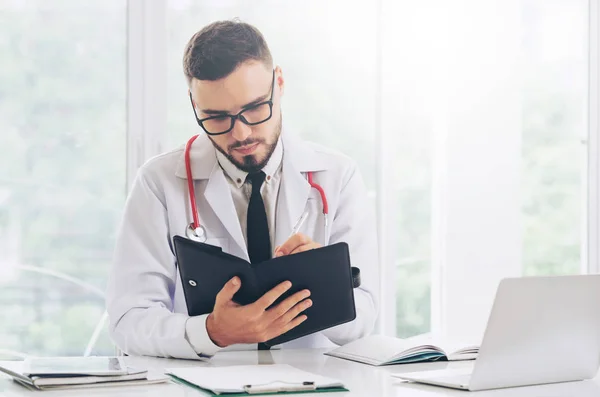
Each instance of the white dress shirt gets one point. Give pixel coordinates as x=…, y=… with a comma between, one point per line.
x=242, y=189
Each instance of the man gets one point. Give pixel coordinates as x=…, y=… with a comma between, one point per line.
x=250, y=180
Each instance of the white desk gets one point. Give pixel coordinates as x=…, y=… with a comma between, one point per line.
x=361, y=379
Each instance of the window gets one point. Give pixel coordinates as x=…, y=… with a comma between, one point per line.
x=405, y=141
x=554, y=122
x=468, y=120
x=510, y=166
x=62, y=171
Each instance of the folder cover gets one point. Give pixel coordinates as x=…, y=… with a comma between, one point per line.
x=325, y=271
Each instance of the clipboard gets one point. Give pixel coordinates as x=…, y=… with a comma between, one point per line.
x=257, y=390
x=203, y=379
x=325, y=271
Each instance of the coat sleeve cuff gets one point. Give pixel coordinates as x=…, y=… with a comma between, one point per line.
x=197, y=335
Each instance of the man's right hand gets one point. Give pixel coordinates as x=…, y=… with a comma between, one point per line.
x=231, y=323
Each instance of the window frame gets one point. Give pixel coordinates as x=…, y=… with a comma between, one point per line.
x=591, y=244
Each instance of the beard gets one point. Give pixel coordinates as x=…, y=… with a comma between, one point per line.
x=251, y=163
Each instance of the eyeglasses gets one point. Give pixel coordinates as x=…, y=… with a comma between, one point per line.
x=223, y=123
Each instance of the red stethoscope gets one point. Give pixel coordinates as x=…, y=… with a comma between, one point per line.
x=195, y=231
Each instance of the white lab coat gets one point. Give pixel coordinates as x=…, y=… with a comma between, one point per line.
x=145, y=301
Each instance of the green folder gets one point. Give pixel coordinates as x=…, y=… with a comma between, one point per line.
x=210, y=393
x=253, y=380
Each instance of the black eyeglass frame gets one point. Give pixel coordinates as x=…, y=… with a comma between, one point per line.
x=238, y=116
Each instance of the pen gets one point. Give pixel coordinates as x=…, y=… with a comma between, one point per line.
x=299, y=224
x=295, y=229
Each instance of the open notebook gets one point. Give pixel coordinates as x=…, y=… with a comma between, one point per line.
x=386, y=350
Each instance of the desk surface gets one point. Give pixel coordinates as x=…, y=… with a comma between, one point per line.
x=361, y=379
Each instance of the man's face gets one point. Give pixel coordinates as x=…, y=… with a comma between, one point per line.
x=249, y=147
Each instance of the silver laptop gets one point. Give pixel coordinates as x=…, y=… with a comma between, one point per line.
x=540, y=330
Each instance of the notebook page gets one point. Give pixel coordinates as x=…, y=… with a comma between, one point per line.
x=455, y=349
x=233, y=379
x=374, y=349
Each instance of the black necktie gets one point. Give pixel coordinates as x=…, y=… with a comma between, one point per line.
x=257, y=228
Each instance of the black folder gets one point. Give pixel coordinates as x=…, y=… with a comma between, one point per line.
x=325, y=271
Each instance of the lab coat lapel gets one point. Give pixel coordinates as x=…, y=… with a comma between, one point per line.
x=217, y=192
x=299, y=158
x=218, y=196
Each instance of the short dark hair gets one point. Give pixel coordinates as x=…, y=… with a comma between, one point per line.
x=219, y=48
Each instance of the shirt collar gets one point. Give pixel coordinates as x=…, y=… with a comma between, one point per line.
x=239, y=177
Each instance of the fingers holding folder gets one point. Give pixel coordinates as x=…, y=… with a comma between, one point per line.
x=232, y=323
x=260, y=305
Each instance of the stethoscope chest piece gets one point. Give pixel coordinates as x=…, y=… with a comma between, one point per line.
x=197, y=234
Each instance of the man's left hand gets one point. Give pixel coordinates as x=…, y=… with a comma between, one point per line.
x=297, y=243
